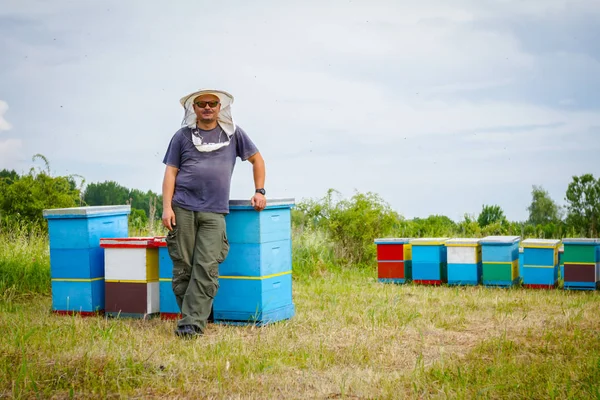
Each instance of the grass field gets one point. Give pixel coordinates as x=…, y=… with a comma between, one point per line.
x=352, y=337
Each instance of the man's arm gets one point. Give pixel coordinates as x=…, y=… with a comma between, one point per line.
x=258, y=201
x=168, y=188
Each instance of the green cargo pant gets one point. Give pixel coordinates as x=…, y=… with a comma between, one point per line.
x=197, y=245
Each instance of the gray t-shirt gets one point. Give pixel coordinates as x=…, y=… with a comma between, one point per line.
x=204, y=179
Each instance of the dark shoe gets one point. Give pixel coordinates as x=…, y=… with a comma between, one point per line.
x=187, y=331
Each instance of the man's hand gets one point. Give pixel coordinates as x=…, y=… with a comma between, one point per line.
x=168, y=218
x=258, y=201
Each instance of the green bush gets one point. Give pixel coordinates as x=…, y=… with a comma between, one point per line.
x=350, y=224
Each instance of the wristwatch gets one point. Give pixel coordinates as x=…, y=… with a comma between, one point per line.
x=261, y=191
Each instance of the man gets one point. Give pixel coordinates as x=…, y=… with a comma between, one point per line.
x=199, y=163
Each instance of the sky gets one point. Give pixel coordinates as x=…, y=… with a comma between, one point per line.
x=437, y=106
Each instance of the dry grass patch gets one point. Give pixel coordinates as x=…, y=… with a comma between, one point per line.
x=352, y=337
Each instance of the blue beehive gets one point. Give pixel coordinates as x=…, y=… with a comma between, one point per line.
x=540, y=263
x=76, y=258
x=255, y=280
x=464, y=261
x=168, y=304
x=500, y=255
x=429, y=261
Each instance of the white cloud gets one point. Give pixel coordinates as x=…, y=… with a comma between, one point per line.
x=378, y=95
x=4, y=125
x=10, y=153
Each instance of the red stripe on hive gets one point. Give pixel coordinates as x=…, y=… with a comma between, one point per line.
x=538, y=286
x=129, y=242
x=170, y=316
x=428, y=282
x=80, y=313
x=160, y=241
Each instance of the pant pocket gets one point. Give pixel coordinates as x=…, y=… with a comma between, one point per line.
x=211, y=289
x=181, y=279
x=224, y=249
x=173, y=246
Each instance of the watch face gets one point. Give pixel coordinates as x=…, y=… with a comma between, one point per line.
x=261, y=191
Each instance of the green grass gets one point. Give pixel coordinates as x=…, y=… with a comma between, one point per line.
x=24, y=261
x=352, y=337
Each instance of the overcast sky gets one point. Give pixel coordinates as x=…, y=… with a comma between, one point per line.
x=438, y=106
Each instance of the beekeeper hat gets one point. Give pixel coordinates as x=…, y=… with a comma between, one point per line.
x=225, y=119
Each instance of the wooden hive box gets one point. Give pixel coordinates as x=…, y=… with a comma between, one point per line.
x=500, y=255
x=394, y=260
x=131, y=277
x=429, y=261
x=76, y=259
x=464, y=261
x=255, y=280
x=540, y=263
x=169, y=309
x=581, y=260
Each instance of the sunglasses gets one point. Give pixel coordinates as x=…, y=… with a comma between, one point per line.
x=203, y=104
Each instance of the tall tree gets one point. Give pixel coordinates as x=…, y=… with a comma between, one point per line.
x=490, y=215
x=26, y=198
x=583, y=197
x=9, y=176
x=543, y=209
x=105, y=194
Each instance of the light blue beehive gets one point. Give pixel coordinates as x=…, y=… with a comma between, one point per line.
x=540, y=262
x=255, y=280
x=429, y=261
x=76, y=258
x=168, y=304
x=464, y=261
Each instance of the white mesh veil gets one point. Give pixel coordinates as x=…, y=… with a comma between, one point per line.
x=225, y=120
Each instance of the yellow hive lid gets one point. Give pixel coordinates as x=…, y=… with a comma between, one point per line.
x=545, y=243
x=500, y=240
x=428, y=241
x=462, y=242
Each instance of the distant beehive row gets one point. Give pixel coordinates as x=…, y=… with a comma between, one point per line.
x=95, y=267
x=501, y=261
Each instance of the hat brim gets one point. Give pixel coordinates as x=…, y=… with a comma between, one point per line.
x=225, y=98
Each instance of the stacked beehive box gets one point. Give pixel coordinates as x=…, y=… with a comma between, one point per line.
x=131, y=276
x=429, y=261
x=255, y=280
x=394, y=260
x=540, y=263
x=500, y=256
x=76, y=258
x=168, y=303
x=581, y=264
x=464, y=261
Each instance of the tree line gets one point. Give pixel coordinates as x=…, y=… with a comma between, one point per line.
x=364, y=216
x=23, y=197
x=351, y=225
